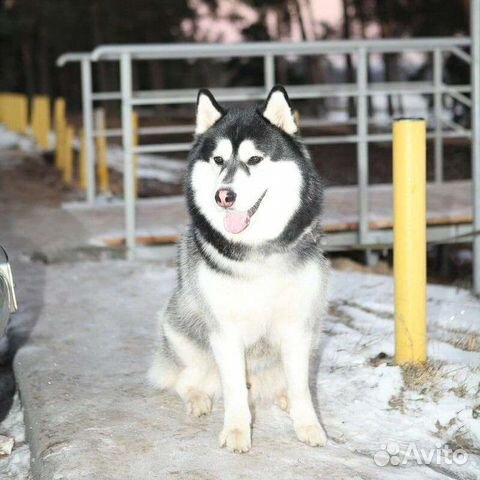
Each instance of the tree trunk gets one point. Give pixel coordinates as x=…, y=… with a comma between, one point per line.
x=388, y=66
x=363, y=27
x=387, y=30
x=281, y=62
x=348, y=57
x=295, y=10
x=44, y=64
x=28, y=69
x=98, y=40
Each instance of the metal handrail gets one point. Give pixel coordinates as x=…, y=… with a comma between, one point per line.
x=362, y=88
x=261, y=49
x=62, y=60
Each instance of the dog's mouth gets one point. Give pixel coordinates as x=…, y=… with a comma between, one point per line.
x=236, y=221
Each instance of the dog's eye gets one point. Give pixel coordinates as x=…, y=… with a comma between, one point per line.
x=218, y=160
x=254, y=160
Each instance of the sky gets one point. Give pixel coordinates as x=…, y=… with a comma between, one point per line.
x=329, y=11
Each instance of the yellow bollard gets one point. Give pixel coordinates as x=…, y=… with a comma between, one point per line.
x=41, y=120
x=68, y=159
x=3, y=97
x=410, y=266
x=22, y=107
x=60, y=124
x=13, y=111
x=8, y=111
x=4, y=109
x=101, y=144
x=135, y=144
x=82, y=161
x=12, y=119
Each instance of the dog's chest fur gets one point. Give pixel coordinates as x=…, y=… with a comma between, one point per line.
x=266, y=298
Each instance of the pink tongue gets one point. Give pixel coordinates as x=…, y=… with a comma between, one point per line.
x=236, y=222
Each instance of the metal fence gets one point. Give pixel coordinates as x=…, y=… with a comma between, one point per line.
x=466, y=49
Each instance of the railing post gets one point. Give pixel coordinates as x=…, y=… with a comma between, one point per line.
x=438, y=111
x=475, y=72
x=128, y=167
x=269, y=72
x=87, y=106
x=362, y=144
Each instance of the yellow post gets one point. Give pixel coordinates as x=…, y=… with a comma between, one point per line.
x=3, y=98
x=8, y=111
x=410, y=265
x=134, y=144
x=12, y=119
x=82, y=161
x=60, y=128
x=14, y=122
x=68, y=159
x=14, y=112
x=22, y=105
x=101, y=144
x=60, y=124
x=41, y=120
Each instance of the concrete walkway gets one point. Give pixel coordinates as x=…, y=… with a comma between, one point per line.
x=85, y=335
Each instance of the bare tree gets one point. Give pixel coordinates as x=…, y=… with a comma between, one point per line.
x=348, y=58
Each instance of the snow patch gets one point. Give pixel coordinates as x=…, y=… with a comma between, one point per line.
x=164, y=169
x=17, y=464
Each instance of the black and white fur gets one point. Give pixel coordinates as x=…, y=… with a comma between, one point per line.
x=247, y=306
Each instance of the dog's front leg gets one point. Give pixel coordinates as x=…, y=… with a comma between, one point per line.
x=295, y=350
x=230, y=358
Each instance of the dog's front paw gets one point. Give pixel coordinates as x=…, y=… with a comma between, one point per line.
x=198, y=404
x=313, y=435
x=237, y=440
x=281, y=401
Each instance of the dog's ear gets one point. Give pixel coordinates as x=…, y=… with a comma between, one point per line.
x=208, y=111
x=278, y=111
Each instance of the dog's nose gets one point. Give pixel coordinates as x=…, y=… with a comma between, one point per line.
x=225, y=197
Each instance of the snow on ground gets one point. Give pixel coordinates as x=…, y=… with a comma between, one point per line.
x=369, y=404
x=17, y=464
x=10, y=140
x=164, y=169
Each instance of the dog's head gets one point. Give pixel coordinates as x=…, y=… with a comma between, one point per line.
x=249, y=176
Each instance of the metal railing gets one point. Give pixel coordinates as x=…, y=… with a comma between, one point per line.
x=361, y=89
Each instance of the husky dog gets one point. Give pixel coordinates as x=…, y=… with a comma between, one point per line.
x=252, y=278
